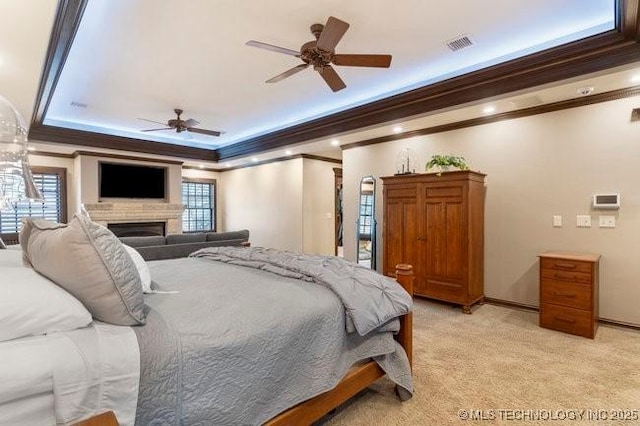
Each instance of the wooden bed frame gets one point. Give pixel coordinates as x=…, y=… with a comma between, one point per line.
x=357, y=378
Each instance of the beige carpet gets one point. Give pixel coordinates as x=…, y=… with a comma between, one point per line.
x=499, y=359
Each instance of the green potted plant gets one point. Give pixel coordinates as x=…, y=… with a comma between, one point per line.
x=445, y=162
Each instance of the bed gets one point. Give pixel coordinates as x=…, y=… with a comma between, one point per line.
x=234, y=337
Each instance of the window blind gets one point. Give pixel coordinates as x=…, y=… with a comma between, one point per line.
x=50, y=209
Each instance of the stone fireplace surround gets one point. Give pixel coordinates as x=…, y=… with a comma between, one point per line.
x=106, y=213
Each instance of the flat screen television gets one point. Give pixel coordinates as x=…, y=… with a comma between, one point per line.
x=129, y=181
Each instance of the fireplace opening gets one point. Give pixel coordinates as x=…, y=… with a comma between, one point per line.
x=142, y=229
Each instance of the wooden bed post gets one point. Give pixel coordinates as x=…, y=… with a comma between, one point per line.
x=404, y=275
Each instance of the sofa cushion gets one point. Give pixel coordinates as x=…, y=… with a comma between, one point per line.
x=144, y=241
x=173, y=251
x=231, y=235
x=197, y=237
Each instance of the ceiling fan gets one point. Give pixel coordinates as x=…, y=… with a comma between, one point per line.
x=320, y=53
x=181, y=125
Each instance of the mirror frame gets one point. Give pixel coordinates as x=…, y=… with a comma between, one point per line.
x=373, y=223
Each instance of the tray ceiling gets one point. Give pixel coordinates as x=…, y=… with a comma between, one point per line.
x=142, y=59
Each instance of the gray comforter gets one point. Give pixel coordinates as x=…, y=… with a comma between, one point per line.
x=236, y=346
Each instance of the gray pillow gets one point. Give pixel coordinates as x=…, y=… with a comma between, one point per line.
x=88, y=261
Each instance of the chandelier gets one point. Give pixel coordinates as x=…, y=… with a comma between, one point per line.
x=16, y=180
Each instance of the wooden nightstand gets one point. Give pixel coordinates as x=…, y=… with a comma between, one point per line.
x=569, y=292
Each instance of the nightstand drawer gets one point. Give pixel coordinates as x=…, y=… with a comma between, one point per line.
x=566, y=265
x=568, y=320
x=578, y=277
x=565, y=293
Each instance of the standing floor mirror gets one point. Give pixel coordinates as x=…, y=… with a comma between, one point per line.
x=366, y=224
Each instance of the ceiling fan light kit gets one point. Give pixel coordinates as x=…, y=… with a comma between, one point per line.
x=320, y=53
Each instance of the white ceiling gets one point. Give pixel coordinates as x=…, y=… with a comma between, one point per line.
x=140, y=59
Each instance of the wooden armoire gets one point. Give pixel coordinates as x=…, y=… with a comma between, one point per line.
x=436, y=224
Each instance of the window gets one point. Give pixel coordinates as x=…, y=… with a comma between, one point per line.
x=52, y=183
x=199, y=198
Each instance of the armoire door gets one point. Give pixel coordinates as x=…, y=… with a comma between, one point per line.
x=401, y=229
x=445, y=249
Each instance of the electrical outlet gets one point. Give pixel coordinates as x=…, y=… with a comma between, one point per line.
x=607, y=221
x=557, y=221
x=583, y=221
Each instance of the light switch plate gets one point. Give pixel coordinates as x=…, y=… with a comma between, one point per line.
x=607, y=221
x=557, y=221
x=583, y=221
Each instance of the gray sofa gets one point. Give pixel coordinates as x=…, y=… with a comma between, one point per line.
x=182, y=245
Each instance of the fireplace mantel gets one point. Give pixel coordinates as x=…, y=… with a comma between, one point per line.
x=105, y=213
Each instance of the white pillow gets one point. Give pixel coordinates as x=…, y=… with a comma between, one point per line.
x=31, y=305
x=141, y=266
x=11, y=258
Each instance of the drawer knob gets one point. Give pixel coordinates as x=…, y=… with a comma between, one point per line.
x=565, y=265
x=569, y=320
x=570, y=295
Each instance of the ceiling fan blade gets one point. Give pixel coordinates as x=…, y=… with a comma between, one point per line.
x=273, y=48
x=153, y=130
x=203, y=131
x=152, y=121
x=287, y=73
x=380, y=61
x=190, y=123
x=332, y=78
x=331, y=34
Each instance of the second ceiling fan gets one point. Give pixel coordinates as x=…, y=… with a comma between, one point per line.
x=320, y=53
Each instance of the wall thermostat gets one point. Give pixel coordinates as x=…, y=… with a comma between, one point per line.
x=606, y=201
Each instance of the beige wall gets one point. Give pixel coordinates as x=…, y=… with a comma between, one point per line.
x=267, y=200
x=538, y=167
x=318, y=207
x=286, y=205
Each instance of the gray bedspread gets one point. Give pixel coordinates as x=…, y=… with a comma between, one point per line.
x=236, y=346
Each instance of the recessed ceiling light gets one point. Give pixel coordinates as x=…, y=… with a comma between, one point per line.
x=228, y=165
x=397, y=129
x=635, y=78
x=288, y=152
x=489, y=109
x=584, y=91
x=254, y=159
x=201, y=166
x=335, y=142
x=31, y=148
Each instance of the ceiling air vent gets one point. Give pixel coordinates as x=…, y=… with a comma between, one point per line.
x=459, y=43
x=78, y=104
x=526, y=102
